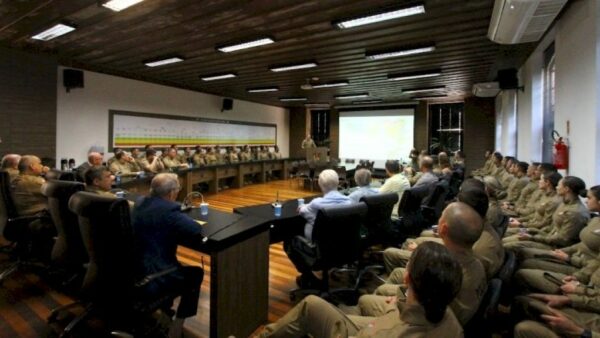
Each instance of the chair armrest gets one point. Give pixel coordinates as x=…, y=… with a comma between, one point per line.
x=147, y=279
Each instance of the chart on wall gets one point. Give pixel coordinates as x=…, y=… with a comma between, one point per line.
x=131, y=129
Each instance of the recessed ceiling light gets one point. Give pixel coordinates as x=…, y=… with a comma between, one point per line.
x=119, y=5
x=284, y=68
x=367, y=102
x=415, y=75
x=351, y=96
x=245, y=45
x=332, y=84
x=285, y=99
x=53, y=32
x=384, y=16
x=399, y=52
x=423, y=89
x=218, y=77
x=162, y=62
x=262, y=89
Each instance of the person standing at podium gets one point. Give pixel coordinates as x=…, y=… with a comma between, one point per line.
x=308, y=142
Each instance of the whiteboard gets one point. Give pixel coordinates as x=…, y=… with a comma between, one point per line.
x=132, y=129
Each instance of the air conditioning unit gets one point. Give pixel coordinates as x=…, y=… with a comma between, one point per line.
x=521, y=21
x=486, y=89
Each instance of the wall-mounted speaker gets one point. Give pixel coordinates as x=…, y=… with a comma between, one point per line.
x=227, y=104
x=507, y=79
x=72, y=78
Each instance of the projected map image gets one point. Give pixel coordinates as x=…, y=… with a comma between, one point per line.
x=376, y=135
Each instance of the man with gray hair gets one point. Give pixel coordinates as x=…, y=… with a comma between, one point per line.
x=159, y=226
x=362, y=177
x=94, y=159
x=328, y=182
x=427, y=177
x=10, y=164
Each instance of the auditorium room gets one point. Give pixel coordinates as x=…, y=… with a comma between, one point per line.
x=319, y=168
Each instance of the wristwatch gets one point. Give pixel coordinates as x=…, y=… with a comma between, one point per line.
x=587, y=333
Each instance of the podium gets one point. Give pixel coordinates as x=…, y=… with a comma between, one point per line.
x=317, y=155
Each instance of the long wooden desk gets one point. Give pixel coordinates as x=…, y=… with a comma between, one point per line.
x=211, y=175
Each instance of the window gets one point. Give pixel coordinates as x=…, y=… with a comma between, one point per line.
x=548, y=103
x=446, y=127
x=320, y=127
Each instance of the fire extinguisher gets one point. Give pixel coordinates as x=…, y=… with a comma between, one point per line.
x=560, y=151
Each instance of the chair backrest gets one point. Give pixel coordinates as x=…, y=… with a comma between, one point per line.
x=479, y=325
x=68, y=248
x=507, y=270
x=337, y=234
x=303, y=169
x=107, y=234
x=436, y=201
x=502, y=226
x=378, y=219
x=7, y=206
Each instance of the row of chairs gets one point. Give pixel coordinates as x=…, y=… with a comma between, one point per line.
x=94, y=250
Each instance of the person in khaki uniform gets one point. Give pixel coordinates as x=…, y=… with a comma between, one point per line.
x=220, y=156
x=487, y=165
x=546, y=206
x=246, y=155
x=508, y=174
x=263, y=153
x=124, y=165
x=99, y=179
x=526, y=192
x=577, y=309
x=171, y=161
x=186, y=156
x=198, y=159
x=518, y=183
x=433, y=279
x=10, y=164
x=460, y=226
x=529, y=207
x=232, y=156
x=152, y=163
x=27, y=187
x=211, y=157
x=275, y=154
x=308, y=142
x=579, y=260
x=567, y=221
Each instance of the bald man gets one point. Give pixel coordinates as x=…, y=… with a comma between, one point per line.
x=10, y=164
x=94, y=159
x=459, y=227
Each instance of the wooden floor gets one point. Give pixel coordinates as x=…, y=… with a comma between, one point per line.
x=26, y=301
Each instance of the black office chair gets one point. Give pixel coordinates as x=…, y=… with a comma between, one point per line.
x=411, y=221
x=336, y=243
x=15, y=229
x=480, y=325
x=341, y=171
x=110, y=292
x=502, y=226
x=378, y=226
x=433, y=204
x=505, y=274
x=303, y=173
x=68, y=252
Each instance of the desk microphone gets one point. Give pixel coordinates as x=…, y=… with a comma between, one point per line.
x=276, y=200
x=185, y=204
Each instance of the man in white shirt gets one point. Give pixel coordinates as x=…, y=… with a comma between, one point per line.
x=396, y=182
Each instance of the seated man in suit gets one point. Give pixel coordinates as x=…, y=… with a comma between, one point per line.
x=159, y=226
x=328, y=181
x=94, y=159
x=433, y=279
x=10, y=164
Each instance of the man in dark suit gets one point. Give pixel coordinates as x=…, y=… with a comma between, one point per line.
x=159, y=226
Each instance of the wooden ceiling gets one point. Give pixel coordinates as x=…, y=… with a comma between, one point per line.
x=118, y=43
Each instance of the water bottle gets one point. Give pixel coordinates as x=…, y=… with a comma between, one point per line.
x=64, y=164
x=71, y=163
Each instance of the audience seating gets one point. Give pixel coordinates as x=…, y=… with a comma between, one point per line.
x=340, y=225
x=480, y=325
x=435, y=202
x=15, y=229
x=110, y=290
x=68, y=252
